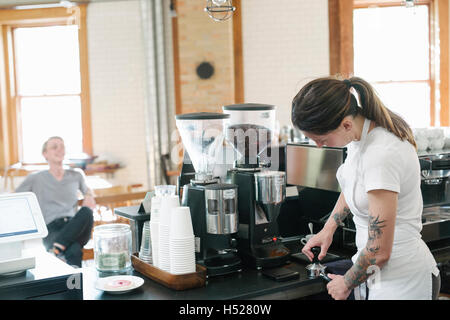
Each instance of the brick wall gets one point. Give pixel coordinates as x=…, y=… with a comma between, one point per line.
x=202, y=39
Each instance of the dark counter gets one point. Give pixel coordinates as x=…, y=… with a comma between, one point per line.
x=248, y=284
x=50, y=279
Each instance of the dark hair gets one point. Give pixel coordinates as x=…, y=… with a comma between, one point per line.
x=321, y=105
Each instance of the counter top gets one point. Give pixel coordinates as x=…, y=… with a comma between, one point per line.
x=49, y=279
x=247, y=284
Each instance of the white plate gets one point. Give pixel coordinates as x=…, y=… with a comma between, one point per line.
x=119, y=284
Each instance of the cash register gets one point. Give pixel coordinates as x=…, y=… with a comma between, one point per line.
x=26, y=272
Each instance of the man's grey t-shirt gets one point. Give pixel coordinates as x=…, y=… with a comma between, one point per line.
x=57, y=199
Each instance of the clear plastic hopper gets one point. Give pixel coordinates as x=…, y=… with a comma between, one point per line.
x=250, y=131
x=202, y=136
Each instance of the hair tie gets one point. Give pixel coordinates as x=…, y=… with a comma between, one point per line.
x=356, y=95
x=348, y=83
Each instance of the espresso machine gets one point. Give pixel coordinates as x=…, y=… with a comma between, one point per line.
x=261, y=191
x=313, y=170
x=435, y=187
x=213, y=205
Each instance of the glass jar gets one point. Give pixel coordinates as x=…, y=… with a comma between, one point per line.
x=112, y=247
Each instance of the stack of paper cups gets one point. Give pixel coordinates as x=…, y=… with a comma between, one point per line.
x=182, y=243
x=154, y=229
x=167, y=204
x=145, y=253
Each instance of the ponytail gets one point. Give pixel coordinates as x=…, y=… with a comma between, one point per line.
x=373, y=109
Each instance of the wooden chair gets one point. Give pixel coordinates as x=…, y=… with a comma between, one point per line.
x=10, y=173
x=117, y=196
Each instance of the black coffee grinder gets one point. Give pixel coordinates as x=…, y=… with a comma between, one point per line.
x=213, y=205
x=260, y=191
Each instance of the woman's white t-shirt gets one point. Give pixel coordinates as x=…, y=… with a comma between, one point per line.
x=391, y=164
x=380, y=160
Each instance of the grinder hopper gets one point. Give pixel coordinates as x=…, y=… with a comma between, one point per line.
x=202, y=136
x=250, y=131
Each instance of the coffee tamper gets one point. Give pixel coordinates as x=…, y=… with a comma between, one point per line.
x=316, y=269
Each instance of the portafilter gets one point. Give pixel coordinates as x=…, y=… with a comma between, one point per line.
x=316, y=269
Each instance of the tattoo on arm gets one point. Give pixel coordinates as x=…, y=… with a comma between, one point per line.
x=375, y=232
x=357, y=274
x=339, y=217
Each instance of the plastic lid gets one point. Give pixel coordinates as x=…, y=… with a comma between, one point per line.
x=163, y=190
x=202, y=116
x=112, y=228
x=248, y=107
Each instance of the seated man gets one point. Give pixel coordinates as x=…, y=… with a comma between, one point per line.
x=57, y=192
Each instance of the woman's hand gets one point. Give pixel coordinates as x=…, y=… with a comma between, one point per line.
x=337, y=288
x=323, y=240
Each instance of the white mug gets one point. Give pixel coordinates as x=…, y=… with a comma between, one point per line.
x=306, y=238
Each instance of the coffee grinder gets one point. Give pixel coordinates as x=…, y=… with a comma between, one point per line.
x=213, y=205
x=260, y=191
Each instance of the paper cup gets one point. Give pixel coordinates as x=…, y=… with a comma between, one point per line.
x=167, y=204
x=181, y=223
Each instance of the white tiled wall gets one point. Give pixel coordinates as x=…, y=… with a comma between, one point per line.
x=116, y=70
x=285, y=44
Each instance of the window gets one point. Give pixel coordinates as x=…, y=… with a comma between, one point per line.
x=403, y=52
x=48, y=88
x=44, y=87
x=391, y=51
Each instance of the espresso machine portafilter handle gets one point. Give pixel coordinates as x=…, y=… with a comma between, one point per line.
x=324, y=276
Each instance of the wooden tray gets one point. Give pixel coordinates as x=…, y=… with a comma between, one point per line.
x=172, y=281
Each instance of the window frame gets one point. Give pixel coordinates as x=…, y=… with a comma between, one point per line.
x=342, y=53
x=10, y=132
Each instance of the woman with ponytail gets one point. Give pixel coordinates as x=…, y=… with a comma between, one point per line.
x=380, y=183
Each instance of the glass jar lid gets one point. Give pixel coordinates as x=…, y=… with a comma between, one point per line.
x=112, y=228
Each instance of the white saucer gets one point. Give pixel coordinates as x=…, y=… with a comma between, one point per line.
x=119, y=284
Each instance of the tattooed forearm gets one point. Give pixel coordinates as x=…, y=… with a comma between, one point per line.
x=368, y=256
x=339, y=217
x=358, y=272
